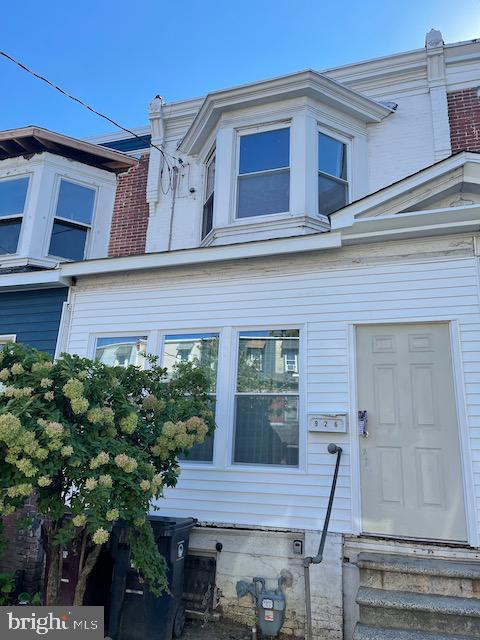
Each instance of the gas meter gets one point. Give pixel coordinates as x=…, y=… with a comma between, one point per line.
x=270, y=604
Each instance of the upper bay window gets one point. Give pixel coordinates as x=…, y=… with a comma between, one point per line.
x=13, y=195
x=207, y=220
x=72, y=220
x=332, y=174
x=264, y=173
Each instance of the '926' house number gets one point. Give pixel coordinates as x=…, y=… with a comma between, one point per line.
x=327, y=422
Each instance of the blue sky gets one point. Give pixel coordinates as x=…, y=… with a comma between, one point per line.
x=118, y=54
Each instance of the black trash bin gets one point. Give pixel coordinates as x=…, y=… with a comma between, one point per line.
x=135, y=612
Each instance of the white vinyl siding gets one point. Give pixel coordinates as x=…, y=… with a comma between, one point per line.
x=321, y=294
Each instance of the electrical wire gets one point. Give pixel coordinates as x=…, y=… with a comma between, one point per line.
x=87, y=106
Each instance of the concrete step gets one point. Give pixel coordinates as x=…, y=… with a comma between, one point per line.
x=419, y=612
x=420, y=574
x=364, y=632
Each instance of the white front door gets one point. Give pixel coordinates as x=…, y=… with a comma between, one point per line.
x=411, y=477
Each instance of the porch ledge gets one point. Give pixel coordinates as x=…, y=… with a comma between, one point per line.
x=204, y=255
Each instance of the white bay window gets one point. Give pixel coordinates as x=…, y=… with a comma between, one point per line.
x=207, y=219
x=72, y=220
x=264, y=173
x=13, y=195
x=332, y=174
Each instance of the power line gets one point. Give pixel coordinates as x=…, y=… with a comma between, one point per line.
x=87, y=106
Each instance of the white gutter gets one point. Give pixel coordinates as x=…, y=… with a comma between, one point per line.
x=33, y=280
x=203, y=255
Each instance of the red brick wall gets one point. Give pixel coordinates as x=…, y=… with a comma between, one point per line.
x=464, y=116
x=25, y=550
x=130, y=212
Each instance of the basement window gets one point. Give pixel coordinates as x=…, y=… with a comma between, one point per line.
x=73, y=220
x=13, y=195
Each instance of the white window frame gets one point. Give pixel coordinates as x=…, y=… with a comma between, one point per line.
x=6, y=338
x=226, y=381
x=53, y=218
x=212, y=155
x=347, y=141
x=18, y=216
x=302, y=387
x=93, y=337
x=249, y=130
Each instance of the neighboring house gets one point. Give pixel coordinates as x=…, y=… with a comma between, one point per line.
x=56, y=204
x=313, y=240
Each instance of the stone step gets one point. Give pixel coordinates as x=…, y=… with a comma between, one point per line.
x=419, y=565
x=420, y=574
x=364, y=632
x=419, y=612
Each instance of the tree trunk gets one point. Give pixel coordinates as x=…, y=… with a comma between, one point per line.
x=84, y=572
x=53, y=575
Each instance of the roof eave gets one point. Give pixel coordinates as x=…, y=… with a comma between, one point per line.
x=306, y=83
x=46, y=140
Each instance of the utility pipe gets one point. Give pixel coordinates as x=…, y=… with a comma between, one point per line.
x=307, y=561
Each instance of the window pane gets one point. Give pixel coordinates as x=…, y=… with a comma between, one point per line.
x=268, y=361
x=332, y=195
x=201, y=348
x=9, y=234
x=210, y=178
x=266, y=150
x=262, y=194
x=266, y=430
x=67, y=241
x=207, y=221
x=122, y=351
x=12, y=196
x=332, y=156
x=75, y=202
x=201, y=452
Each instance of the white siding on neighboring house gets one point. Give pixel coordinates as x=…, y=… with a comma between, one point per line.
x=401, y=144
x=323, y=294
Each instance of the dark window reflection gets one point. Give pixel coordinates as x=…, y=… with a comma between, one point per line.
x=9, y=234
x=266, y=430
x=67, y=241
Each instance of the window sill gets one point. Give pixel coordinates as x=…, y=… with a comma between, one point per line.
x=23, y=261
x=266, y=228
x=243, y=468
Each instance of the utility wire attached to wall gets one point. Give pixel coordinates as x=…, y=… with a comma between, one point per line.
x=87, y=106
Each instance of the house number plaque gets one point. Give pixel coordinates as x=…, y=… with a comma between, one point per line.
x=327, y=422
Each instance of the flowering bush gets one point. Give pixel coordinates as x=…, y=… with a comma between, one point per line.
x=97, y=442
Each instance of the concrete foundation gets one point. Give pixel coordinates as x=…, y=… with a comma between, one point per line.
x=249, y=553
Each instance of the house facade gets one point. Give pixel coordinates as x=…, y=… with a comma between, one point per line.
x=312, y=239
